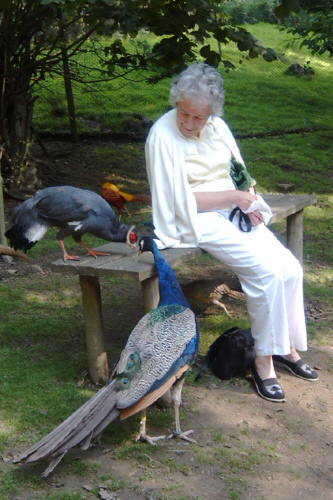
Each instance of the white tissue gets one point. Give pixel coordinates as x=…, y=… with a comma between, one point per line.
x=261, y=205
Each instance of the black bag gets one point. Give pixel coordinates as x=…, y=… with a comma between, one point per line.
x=231, y=354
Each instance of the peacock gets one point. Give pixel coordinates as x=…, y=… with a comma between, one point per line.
x=74, y=211
x=157, y=355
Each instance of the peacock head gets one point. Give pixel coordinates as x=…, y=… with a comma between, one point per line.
x=146, y=244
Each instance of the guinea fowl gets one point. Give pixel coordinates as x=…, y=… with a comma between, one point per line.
x=74, y=211
x=158, y=353
x=118, y=199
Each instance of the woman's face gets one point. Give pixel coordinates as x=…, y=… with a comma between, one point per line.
x=191, y=117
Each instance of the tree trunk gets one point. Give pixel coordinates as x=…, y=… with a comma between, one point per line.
x=18, y=168
x=69, y=96
x=2, y=208
x=19, y=173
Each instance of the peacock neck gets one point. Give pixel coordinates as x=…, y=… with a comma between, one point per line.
x=170, y=290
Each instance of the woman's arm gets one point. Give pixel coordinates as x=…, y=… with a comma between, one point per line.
x=174, y=205
x=218, y=200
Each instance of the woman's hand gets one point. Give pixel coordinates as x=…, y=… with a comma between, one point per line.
x=255, y=218
x=244, y=199
x=208, y=201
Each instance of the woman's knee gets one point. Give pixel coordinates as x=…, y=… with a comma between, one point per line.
x=292, y=270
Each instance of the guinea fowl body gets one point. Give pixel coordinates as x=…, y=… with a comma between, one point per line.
x=73, y=211
x=159, y=351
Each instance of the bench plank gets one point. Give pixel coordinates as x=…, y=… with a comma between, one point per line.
x=122, y=263
x=284, y=205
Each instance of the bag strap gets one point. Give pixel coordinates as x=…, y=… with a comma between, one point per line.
x=244, y=219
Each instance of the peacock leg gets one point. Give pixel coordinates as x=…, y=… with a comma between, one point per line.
x=142, y=436
x=65, y=254
x=176, y=394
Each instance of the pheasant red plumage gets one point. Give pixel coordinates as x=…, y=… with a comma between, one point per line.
x=117, y=198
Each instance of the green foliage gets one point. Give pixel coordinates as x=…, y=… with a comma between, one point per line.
x=56, y=39
x=251, y=91
x=311, y=21
x=251, y=12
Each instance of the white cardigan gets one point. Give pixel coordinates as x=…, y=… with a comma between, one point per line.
x=173, y=202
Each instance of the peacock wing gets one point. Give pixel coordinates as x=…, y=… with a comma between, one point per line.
x=154, y=395
x=163, y=341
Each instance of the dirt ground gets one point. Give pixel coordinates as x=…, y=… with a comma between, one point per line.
x=246, y=447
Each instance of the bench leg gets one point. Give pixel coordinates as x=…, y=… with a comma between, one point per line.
x=93, y=319
x=295, y=234
x=150, y=293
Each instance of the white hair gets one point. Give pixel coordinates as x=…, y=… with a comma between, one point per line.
x=201, y=84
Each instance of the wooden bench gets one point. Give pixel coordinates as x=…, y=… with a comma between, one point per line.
x=122, y=261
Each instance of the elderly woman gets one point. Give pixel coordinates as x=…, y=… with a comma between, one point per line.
x=188, y=155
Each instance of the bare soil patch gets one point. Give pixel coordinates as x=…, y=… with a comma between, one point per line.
x=246, y=447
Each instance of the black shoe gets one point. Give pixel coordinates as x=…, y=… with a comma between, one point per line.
x=299, y=368
x=268, y=389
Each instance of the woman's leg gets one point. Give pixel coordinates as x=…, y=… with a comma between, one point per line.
x=270, y=276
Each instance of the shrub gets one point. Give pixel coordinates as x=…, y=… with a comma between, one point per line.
x=251, y=12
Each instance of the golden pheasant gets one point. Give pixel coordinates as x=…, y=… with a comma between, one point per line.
x=117, y=198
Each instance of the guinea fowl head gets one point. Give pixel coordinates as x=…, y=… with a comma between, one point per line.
x=131, y=238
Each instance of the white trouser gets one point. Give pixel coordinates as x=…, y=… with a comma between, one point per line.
x=271, y=277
